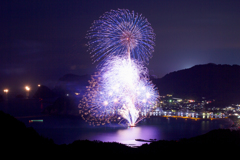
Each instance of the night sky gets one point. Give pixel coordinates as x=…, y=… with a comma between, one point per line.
x=40, y=41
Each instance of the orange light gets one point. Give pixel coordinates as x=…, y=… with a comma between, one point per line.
x=27, y=88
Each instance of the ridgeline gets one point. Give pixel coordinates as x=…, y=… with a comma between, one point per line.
x=219, y=82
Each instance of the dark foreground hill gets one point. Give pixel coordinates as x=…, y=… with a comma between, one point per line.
x=220, y=82
x=18, y=140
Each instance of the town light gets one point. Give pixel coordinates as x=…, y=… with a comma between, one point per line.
x=27, y=88
x=27, y=93
x=6, y=91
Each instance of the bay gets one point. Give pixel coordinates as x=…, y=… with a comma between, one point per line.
x=66, y=129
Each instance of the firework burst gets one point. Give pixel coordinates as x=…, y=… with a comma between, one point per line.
x=119, y=92
x=120, y=32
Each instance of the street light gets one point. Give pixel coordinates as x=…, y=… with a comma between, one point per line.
x=6, y=91
x=27, y=93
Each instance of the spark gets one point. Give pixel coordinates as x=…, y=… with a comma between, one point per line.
x=120, y=32
x=123, y=42
x=127, y=100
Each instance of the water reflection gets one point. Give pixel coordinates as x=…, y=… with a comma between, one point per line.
x=128, y=135
x=158, y=128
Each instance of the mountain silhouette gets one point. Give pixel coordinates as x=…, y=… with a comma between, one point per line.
x=212, y=81
x=44, y=92
x=220, y=82
x=71, y=83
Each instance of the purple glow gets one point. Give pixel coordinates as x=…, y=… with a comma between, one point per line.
x=119, y=32
x=128, y=136
x=121, y=90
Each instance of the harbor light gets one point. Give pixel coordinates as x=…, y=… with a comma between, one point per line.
x=27, y=88
x=6, y=91
x=27, y=93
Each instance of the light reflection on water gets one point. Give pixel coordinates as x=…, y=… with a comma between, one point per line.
x=128, y=135
x=158, y=128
